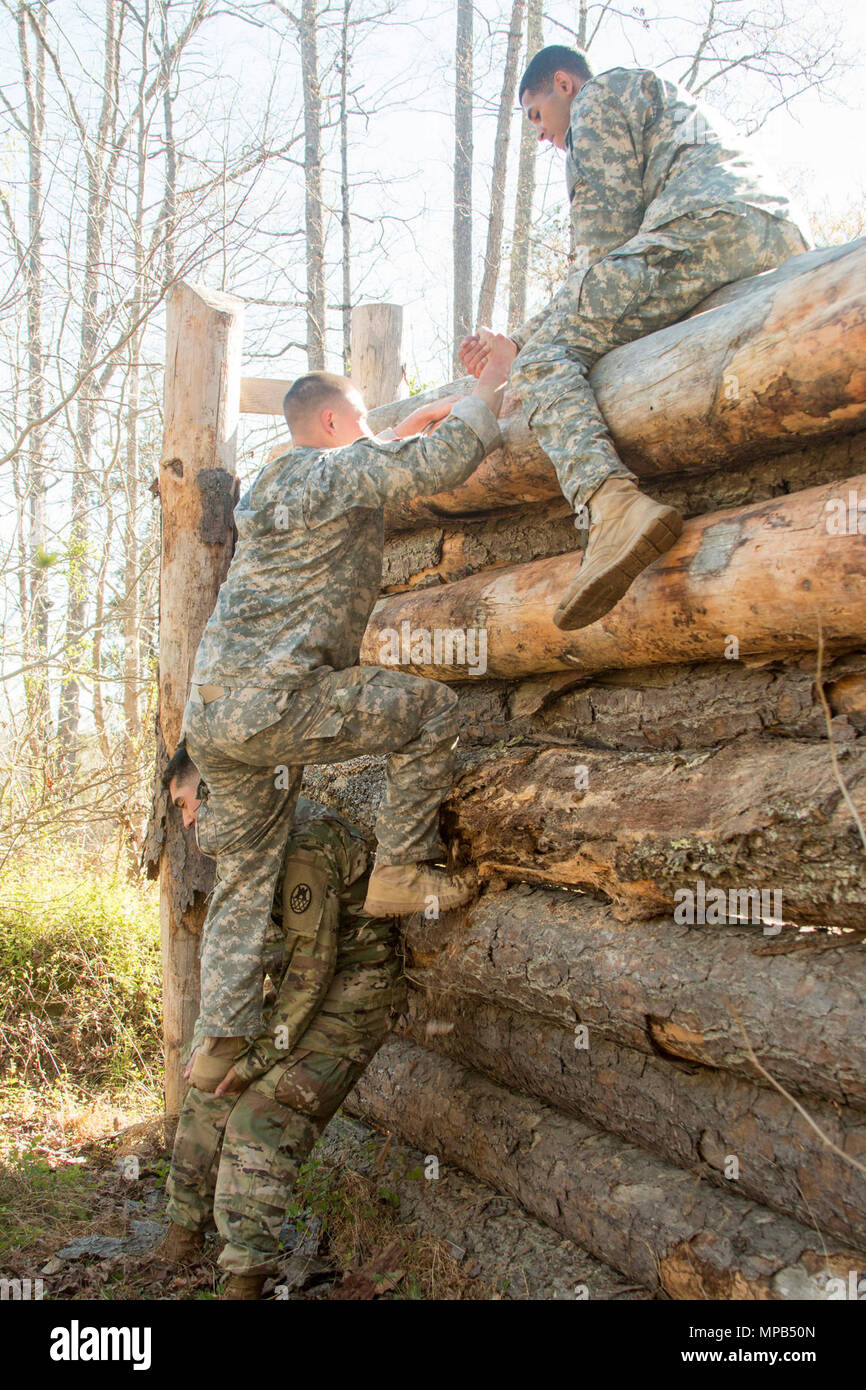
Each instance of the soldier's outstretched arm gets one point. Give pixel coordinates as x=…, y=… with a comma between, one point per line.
x=373, y=472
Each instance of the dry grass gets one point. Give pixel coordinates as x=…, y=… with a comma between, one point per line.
x=360, y=1220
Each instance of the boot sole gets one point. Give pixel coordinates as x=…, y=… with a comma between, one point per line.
x=602, y=593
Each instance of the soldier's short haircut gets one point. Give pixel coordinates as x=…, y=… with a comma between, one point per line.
x=311, y=393
x=180, y=766
x=549, y=61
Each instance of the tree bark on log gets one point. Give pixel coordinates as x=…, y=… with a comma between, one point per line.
x=691, y=993
x=746, y=581
x=693, y=1116
x=645, y=1217
x=452, y=550
x=669, y=707
x=763, y=366
x=646, y=829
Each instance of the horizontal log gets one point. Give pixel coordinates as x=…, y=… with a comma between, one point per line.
x=482, y=1227
x=763, y=814
x=694, y=1116
x=687, y=992
x=456, y=548
x=669, y=707
x=764, y=577
x=652, y=1221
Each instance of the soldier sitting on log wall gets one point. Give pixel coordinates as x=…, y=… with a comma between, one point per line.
x=666, y=206
x=336, y=983
x=276, y=682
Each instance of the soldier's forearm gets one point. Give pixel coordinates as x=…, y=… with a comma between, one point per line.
x=491, y=393
x=444, y=462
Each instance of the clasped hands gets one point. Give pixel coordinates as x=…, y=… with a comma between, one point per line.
x=483, y=353
x=485, y=349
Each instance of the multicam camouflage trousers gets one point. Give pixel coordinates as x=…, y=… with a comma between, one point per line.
x=236, y=1158
x=644, y=285
x=250, y=746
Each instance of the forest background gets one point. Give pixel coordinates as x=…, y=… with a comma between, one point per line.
x=307, y=159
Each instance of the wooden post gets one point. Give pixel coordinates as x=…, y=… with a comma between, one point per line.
x=198, y=490
x=377, y=352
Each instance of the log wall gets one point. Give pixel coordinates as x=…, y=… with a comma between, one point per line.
x=681, y=1094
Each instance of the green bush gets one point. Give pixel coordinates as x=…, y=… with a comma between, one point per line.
x=79, y=972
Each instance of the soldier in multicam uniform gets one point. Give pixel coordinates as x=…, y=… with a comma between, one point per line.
x=276, y=682
x=666, y=207
x=336, y=982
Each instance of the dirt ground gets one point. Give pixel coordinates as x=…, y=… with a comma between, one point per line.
x=82, y=1205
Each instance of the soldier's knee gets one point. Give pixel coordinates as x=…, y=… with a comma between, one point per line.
x=442, y=718
x=316, y=1085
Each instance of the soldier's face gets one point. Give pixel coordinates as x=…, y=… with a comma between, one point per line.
x=549, y=112
x=346, y=420
x=183, y=795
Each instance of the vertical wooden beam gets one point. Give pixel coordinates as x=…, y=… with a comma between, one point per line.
x=198, y=490
x=377, y=352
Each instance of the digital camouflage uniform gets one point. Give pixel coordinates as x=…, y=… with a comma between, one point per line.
x=282, y=642
x=666, y=207
x=337, y=982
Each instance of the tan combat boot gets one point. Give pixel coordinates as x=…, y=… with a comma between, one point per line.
x=397, y=888
x=627, y=531
x=213, y=1061
x=244, y=1286
x=179, y=1245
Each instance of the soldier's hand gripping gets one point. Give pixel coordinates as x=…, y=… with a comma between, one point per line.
x=426, y=415
x=500, y=353
x=475, y=349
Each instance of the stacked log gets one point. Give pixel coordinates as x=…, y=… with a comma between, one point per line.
x=649, y=1034
x=648, y=1027
x=653, y=1221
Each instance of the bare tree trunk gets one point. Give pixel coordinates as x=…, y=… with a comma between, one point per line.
x=525, y=187
x=35, y=615
x=582, y=22
x=314, y=220
x=462, y=177
x=169, y=209
x=97, y=204
x=493, y=253
x=345, y=222
x=99, y=631
x=131, y=557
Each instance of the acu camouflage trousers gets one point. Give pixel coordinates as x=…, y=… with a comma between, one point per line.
x=236, y=1158
x=250, y=746
x=646, y=284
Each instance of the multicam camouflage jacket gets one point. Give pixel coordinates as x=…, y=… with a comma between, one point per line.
x=325, y=958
